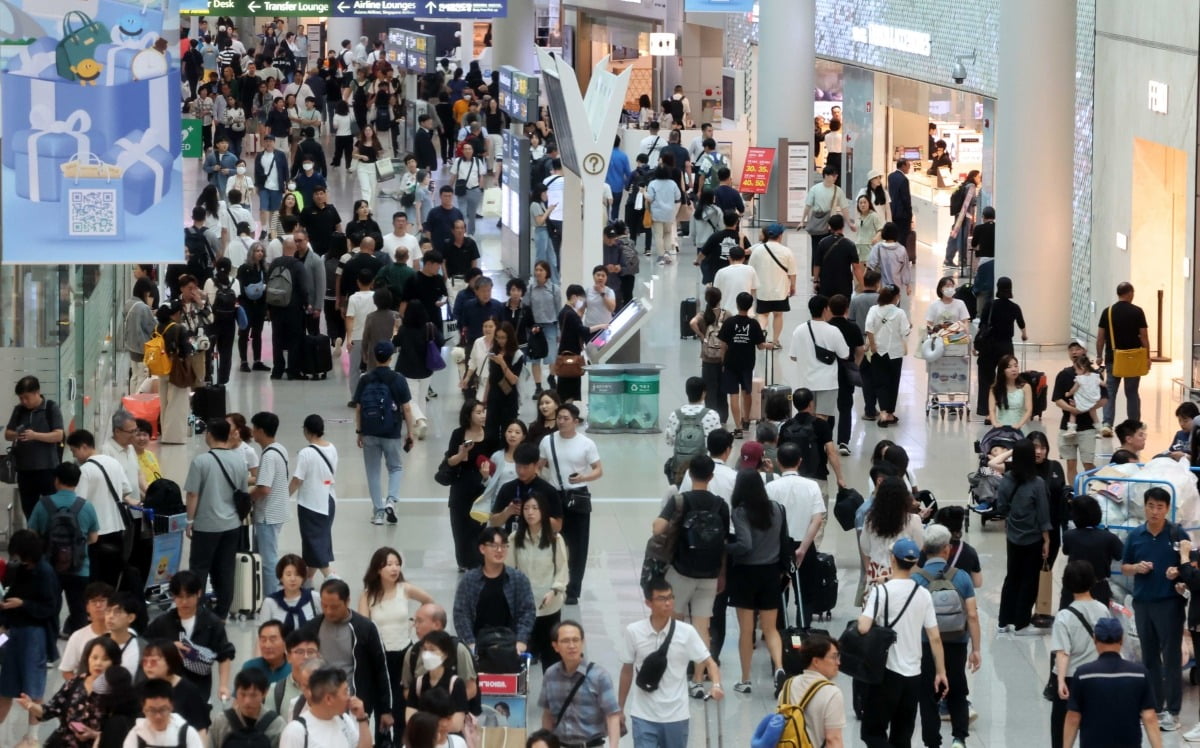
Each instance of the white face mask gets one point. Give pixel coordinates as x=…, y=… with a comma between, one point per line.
x=579, y=303
x=948, y=292
x=431, y=660
x=241, y=170
x=291, y=186
x=308, y=166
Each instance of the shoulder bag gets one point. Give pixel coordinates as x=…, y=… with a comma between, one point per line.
x=1050, y=692
x=1127, y=362
x=460, y=185
x=574, y=500
x=773, y=257
x=650, y=674
x=983, y=338
x=660, y=549
x=823, y=354
x=864, y=656
x=818, y=220
x=241, y=499
x=127, y=519
x=571, y=695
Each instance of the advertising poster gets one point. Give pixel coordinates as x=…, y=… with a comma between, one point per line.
x=90, y=128
x=756, y=172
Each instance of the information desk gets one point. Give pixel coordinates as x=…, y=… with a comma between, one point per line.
x=931, y=210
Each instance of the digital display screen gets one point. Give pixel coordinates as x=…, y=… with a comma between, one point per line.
x=560, y=122
x=912, y=153
x=512, y=211
x=728, y=91
x=518, y=94
x=625, y=319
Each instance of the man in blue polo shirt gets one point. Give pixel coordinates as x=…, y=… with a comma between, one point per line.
x=1149, y=554
x=1109, y=697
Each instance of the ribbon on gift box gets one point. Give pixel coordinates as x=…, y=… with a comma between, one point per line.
x=32, y=64
x=42, y=119
x=138, y=151
x=113, y=50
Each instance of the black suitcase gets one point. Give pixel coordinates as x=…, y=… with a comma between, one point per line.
x=771, y=391
x=793, y=633
x=966, y=294
x=687, y=310
x=208, y=402
x=1037, y=383
x=316, y=357
x=821, y=596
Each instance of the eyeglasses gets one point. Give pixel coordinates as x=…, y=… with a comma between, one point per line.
x=133, y=430
x=156, y=710
x=306, y=651
x=663, y=598
x=496, y=546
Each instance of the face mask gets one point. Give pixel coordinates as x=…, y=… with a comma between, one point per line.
x=948, y=292
x=431, y=660
x=579, y=303
x=291, y=186
x=308, y=166
x=241, y=170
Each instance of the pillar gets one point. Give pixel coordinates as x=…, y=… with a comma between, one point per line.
x=339, y=29
x=783, y=92
x=513, y=36
x=1034, y=176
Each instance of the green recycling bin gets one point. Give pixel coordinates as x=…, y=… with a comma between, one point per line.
x=606, y=399
x=641, y=399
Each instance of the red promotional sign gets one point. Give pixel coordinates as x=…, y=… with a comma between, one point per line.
x=756, y=173
x=504, y=684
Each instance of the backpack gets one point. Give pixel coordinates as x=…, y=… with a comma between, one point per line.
x=155, y=356
x=224, y=306
x=241, y=736
x=383, y=116
x=378, y=407
x=715, y=163
x=957, y=198
x=803, y=433
x=66, y=546
x=710, y=344
x=690, y=436
x=182, y=740
x=199, y=252
x=948, y=603
x=795, y=725
x=701, y=542
x=631, y=261
x=279, y=286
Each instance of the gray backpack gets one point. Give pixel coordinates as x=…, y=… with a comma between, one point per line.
x=948, y=603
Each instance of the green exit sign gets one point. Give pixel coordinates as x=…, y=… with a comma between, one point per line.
x=192, y=141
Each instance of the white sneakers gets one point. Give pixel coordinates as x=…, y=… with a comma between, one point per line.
x=1168, y=722
x=421, y=429
x=1193, y=735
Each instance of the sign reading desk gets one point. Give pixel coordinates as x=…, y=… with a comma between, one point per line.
x=436, y=9
x=272, y=7
x=756, y=173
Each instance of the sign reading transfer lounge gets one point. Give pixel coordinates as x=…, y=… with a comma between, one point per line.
x=421, y=8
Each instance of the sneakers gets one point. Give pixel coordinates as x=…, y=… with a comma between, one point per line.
x=696, y=690
x=1070, y=436
x=780, y=679
x=245, y=367
x=742, y=686
x=844, y=449
x=430, y=394
x=1005, y=629
x=1167, y=722
x=260, y=366
x=389, y=511
x=421, y=429
x=1029, y=630
x=377, y=518
x=1071, y=428
x=1193, y=735
x=958, y=743
x=1106, y=430
x=981, y=508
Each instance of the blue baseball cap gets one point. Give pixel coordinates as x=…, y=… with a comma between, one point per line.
x=906, y=550
x=384, y=349
x=1109, y=630
x=775, y=231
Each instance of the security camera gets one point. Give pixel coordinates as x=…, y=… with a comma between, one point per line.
x=959, y=71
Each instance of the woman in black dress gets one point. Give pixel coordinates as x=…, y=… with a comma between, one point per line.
x=994, y=340
x=363, y=224
x=468, y=444
x=504, y=375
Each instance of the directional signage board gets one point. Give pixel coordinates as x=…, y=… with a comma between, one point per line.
x=434, y=9
x=411, y=51
x=518, y=94
x=292, y=8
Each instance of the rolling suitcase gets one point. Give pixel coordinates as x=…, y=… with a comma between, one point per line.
x=687, y=310
x=208, y=402
x=770, y=391
x=247, y=580
x=316, y=356
x=966, y=294
x=821, y=598
x=709, y=733
x=794, y=634
x=1037, y=383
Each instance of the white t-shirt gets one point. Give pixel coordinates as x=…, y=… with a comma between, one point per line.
x=816, y=375
x=272, y=180
x=800, y=498
x=170, y=736
x=317, y=489
x=596, y=313
x=74, y=649
x=904, y=657
x=878, y=550
x=774, y=281
x=248, y=451
x=652, y=145
x=721, y=484
x=339, y=732
x=238, y=250
x=940, y=312
x=128, y=459
x=575, y=455
x=341, y=126
x=391, y=243
x=360, y=304
x=93, y=487
x=670, y=702
x=554, y=195
x=733, y=280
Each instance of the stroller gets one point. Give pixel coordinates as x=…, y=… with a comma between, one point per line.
x=984, y=481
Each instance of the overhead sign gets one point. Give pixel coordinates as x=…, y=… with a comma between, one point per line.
x=292, y=8
x=719, y=6
x=411, y=51
x=756, y=173
x=518, y=94
x=434, y=9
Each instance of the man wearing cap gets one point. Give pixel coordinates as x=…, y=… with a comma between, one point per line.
x=776, y=269
x=379, y=429
x=1077, y=447
x=906, y=607
x=1110, y=696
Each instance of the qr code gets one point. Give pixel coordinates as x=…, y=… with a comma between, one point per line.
x=93, y=212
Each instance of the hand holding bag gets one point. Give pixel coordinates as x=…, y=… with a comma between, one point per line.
x=864, y=656
x=1127, y=362
x=434, y=361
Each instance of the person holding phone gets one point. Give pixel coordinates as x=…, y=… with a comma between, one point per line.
x=571, y=460
x=468, y=446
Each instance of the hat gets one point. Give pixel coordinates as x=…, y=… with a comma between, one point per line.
x=268, y=136
x=874, y=173
x=384, y=349
x=775, y=230
x=1108, y=630
x=752, y=454
x=611, y=232
x=905, y=549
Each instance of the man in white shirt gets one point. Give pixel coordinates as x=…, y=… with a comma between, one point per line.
x=554, y=197
x=360, y=52
x=119, y=446
x=331, y=717
x=775, y=266
x=907, y=608
x=696, y=147
x=161, y=725
x=652, y=145
x=735, y=278
x=270, y=494
x=801, y=498
x=813, y=341
x=400, y=237
x=103, y=482
x=719, y=443
x=660, y=716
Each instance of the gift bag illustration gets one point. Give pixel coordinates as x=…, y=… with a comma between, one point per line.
x=94, y=197
x=75, y=56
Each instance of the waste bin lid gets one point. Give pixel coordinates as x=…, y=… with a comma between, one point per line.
x=644, y=370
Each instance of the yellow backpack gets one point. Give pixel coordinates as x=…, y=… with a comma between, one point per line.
x=155, y=356
x=795, y=734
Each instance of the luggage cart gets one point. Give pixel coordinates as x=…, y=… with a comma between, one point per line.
x=505, y=701
x=950, y=381
x=166, y=556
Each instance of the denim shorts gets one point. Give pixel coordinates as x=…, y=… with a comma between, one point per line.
x=24, y=668
x=270, y=200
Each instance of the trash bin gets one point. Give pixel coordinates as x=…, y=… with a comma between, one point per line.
x=606, y=395
x=641, y=399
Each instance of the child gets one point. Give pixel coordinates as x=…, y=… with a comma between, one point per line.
x=122, y=610
x=96, y=597
x=293, y=604
x=1181, y=443
x=1086, y=392
x=358, y=306
x=985, y=481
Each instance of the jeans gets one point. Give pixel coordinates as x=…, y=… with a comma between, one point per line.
x=576, y=531
x=24, y=668
x=214, y=552
x=266, y=543
x=469, y=205
x=959, y=244
x=1020, y=588
x=390, y=450
x=647, y=734
x=1133, y=401
x=956, y=698
x=1160, y=627
x=543, y=249
x=890, y=711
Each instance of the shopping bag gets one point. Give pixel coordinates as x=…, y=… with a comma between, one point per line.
x=81, y=36
x=1045, y=598
x=491, y=203
x=384, y=170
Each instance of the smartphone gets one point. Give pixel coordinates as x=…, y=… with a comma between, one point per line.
x=3, y=639
x=469, y=443
x=77, y=726
x=573, y=477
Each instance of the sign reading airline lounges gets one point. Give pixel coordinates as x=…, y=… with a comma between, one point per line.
x=719, y=6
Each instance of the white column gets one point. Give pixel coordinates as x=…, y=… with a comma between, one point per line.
x=1034, y=175
x=783, y=91
x=512, y=37
x=339, y=29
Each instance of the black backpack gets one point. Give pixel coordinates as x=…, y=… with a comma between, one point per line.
x=200, y=254
x=496, y=651
x=253, y=736
x=377, y=405
x=802, y=432
x=224, y=306
x=66, y=546
x=957, y=198
x=700, y=547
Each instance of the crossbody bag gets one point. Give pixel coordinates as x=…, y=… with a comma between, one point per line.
x=460, y=185
x=823, y=354
x=576, y=500
x=571, y=695
x=241, y=499
x=127, y=518
x=773, y=257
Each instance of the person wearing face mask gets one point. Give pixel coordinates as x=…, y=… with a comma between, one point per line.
x=437, y=650
x=309, y=168
x=946, y=310
x=573, y=336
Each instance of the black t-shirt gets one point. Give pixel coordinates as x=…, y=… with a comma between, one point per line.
x=35, y=455
x=572, y=335
x=516, y=491
x=695, y=564
x=1128, y=321
x=1094, y=545
x=320, y=223
x=854, y=338
x=355, y=265
x=983, y=237
x=967, y=558
x=1063, y=383
x=459, y=259
x=836, y=256
x=741, y=335
x=439, y=224
x=715, y=253
x=492, y=608
x=427, y=289
x=1003, y=315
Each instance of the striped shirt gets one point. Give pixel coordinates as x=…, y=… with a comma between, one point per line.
x=273, y=472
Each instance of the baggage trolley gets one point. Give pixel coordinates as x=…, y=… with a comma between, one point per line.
x=505, y=701
x=950, y=381
x=166, y=556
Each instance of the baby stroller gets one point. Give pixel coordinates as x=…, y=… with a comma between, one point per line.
x=984, y=481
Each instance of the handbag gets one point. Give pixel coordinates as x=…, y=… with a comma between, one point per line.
x=460, y=185
x=864, y=656
x=574, y=500
x=539, y=347
x=647, y=219
x=8, y=467
x=447, y=474
x=568, y=365
x=241, y=499
x=183, y=370
x=1127, y=362
x=81, y=38
x=384, y=170
x=434, y=361
x=481, y=508
x=823, y=354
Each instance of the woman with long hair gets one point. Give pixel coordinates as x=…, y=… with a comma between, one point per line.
x=546, y=420
x=502, y=466
x=413, y=338
x=663, y=197
x=756, y=560
x=1010, y=400
x=708, y=218
x=385, y=600
x=997, y=320
x=343, y=135
x=474, y=379
x=707, y=325
x=76, y=702
x=211, y=200
x=289, y=205
x=224, y=329
x=467, y=447
x=366, y=153
x=887, y=327
x=1058, y=491
x=363, y=224
x=503, y=397
x=541, y=553
x=252, y=282
x=543, y=298
x=889, y=519
x=870, y=231
x=161, y=660
x=1022, y=500
x=539, y=213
